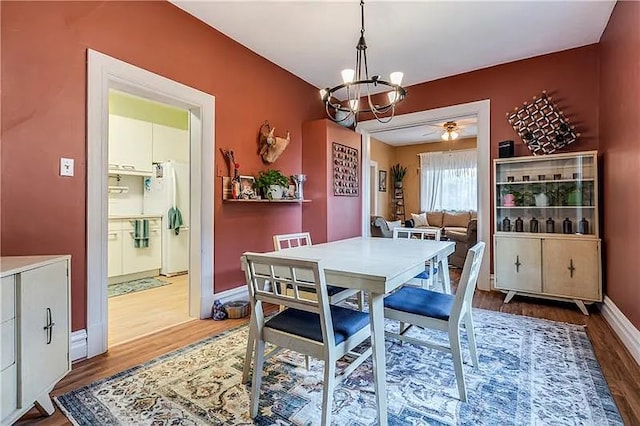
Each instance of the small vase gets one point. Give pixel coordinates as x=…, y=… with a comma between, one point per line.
x=551, y=226
x=519, y=225
x=509, y=200
x=398, y=184
x=533, y=225
x=567, y=226
x=583, y=226
x=274, y=192
x=506, y=224
x=542, y=200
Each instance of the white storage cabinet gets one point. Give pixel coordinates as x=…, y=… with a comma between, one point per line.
x=36, y=325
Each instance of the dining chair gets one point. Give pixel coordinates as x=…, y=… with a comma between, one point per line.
x=336, y=294
x=311, y=326
x=428, y=277
x=439, y=311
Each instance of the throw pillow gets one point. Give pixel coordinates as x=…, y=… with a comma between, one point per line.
x=394, y=224
x=419, y=219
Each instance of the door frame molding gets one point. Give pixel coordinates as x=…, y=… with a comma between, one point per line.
x=481, y=109
x=376, y=202
x=104, y=73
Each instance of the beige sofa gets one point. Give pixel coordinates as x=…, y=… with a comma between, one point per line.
x=460, y=227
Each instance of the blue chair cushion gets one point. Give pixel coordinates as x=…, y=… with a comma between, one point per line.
x=421, y=302
x=424, y=275
x=346, y=323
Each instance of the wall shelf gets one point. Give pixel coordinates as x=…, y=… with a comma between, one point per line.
x=285, y=201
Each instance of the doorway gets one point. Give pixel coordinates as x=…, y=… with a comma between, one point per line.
x=106, y=73
x=149, y=217
x=479, y=109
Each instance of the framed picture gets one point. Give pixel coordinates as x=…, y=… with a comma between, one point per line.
x=247, y=190
x=345, y=170
x=382, y=180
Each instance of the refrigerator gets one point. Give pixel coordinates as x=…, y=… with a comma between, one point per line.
x=169, y=187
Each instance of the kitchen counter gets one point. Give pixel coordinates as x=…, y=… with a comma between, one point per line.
x=134, y=216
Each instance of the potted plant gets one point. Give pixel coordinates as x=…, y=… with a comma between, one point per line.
x=397, y=172
x=271, y=183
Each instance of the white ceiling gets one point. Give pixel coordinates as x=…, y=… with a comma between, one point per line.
x=425, y=133
x=426, y=40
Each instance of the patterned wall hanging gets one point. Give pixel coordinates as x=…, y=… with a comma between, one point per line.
x=345, y=170
x=542, y=126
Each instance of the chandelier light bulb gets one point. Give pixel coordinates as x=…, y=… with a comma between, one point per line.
x=396, y=77
x=445, y=136
x=392, y=96
x=353, y=104
x=347, y=76
x=454, y=135
x=323, y=93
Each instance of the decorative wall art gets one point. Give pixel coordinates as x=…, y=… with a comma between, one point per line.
x=345, y=170
x=382, y=180
x=271, y=146
x=542, y=126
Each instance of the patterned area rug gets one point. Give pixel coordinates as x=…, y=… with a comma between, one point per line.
x=531, y=372
x=135, y=285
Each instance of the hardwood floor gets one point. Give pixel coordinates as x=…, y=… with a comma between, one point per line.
x=619, y=368
x=138, y=314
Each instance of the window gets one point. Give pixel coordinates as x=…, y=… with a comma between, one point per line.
x=448, y=180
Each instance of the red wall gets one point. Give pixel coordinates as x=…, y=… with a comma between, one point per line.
x=620, y=140
x=329, y=217
x=44, y=117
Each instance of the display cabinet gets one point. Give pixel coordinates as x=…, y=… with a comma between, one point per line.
x=546, y=227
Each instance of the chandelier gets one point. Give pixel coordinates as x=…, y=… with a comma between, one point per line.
x=450, y=131
x=356, y=84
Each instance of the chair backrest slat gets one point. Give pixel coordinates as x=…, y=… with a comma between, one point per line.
x=468, y=279
x=262, y=272
x=285, y=241
x=417, y=233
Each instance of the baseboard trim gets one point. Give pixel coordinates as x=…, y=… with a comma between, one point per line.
x=78, y=345
x=238, y=293
x=626, y=332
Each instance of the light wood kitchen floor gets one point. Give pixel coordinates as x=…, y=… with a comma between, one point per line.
x=144, y=312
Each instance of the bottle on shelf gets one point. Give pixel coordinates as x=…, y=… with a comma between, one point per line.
x=533, y=225
x=583, y=226
x=567, y=226
x=506, y=224
x=551, y=226
x=519, y=225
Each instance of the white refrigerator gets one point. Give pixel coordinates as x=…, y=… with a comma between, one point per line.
x=170, y=188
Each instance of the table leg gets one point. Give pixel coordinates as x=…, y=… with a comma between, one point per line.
x=443, y=271
x=376, y=317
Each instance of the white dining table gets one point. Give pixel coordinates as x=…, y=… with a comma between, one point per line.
x=377, y=266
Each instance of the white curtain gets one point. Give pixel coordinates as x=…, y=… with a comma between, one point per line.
x=448, y=180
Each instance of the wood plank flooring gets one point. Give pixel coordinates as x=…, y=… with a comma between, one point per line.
x=138, y=314
x=619, y=368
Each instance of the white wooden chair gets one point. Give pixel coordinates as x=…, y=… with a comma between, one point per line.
x=428, y=277
x=336, y=294
x=439, y=311
x=311, y=326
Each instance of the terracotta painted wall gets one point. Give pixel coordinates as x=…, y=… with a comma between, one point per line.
x=383, y=154
x=328, y=217
x=44, y=108
x=408, y=156
x=620, y=142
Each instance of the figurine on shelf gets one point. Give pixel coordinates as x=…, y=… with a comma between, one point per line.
x=299, y=180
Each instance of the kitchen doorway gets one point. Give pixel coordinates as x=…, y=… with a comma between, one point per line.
x=149, y=216
x=105, y=73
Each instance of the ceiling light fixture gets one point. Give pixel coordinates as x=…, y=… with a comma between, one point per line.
x=357, y=84
x=450, y=131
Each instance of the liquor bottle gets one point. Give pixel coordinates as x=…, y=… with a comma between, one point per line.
x=533, y=225
x=519, y=225
x=551, y=226
x=583, y=226
x=567, y=226
x=506, y=224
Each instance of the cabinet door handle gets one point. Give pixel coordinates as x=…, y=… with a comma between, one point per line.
x=128, y=167
x=114, y=166
x=517, y=264
x=49, y=327
x=571, y=268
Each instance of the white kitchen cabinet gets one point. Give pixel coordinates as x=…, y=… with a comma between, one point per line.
x=130, y=146
x=170, y=143
x=125, y=258
x=114, y=248
x=36, y=325
x=546, y=220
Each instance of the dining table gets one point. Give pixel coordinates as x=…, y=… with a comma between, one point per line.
x=376, y=266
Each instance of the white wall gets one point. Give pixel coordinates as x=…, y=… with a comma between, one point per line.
x=129, y=202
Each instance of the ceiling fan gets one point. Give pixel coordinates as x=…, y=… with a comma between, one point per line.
x=451, y=129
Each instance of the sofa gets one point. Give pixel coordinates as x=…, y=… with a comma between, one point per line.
x=460, y=227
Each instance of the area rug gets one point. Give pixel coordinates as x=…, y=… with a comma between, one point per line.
x=531, y=372
x=135, y=285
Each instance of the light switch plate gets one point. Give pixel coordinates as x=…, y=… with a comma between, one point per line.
x=66, y=166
